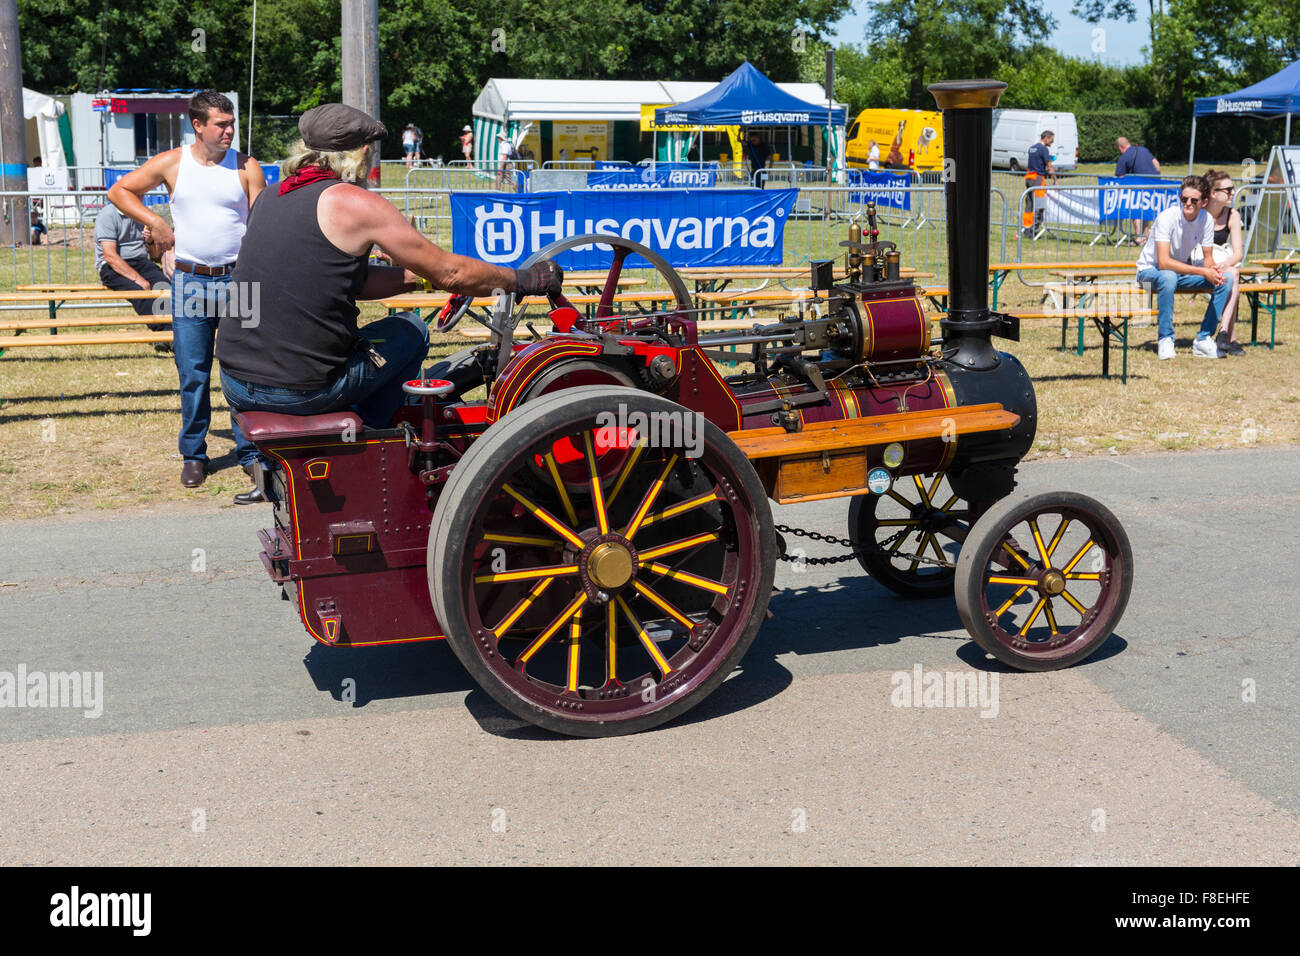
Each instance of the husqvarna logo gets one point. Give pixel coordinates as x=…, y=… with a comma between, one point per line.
x=1238, y=106
x=503, y=235
x=1117, y=201
x=499, y=233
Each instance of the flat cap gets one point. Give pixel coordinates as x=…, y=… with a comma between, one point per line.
x=333, y=126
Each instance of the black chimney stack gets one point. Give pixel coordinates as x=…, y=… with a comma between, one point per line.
x=968, y=150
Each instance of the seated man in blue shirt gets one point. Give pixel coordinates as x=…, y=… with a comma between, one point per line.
x=1136, y=161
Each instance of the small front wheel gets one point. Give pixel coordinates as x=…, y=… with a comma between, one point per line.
x=1042, y=580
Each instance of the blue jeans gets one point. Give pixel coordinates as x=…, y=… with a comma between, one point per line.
x=375, y=393
x=1167, y=280
x=195, y=303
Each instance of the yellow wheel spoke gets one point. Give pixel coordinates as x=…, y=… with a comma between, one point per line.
x=1011, y=551
x=1038, y=541
x=934, y=486
x=524, y=539
x=655, y=654
x=1051, y=618
x=625, y=472
x=648, y=501
x=675, y=546
x=546, y=518
x=920, y=546
x=1084, y=576
x=951, y=501
x=1078, y=557
x=529, y=574
x=704, y=583
x=1042, y=601
x=682, y=508
x=1074, y=603
x=575, y=650
x=1006, y=605
x=900, y=499
x=554, y=626
x=517, y=611
x=593, y=474
x=654, y=598
x=938, y=549
x=895, y=522
x=920, y=490
x=611, y=643
x=1056, y=538
x=560, y=489
x=1004, y=579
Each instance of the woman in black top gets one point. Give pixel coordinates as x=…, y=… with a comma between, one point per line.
x=1229, y=252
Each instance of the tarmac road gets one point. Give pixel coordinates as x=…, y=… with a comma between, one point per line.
x=225, y=736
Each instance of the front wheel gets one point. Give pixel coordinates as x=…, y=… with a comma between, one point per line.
x=1042, y=580
x=601, y=559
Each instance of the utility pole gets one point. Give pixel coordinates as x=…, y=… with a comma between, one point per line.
x=13, y=135
x=360, y=59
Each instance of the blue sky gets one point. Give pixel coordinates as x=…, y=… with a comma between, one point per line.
x=1123, y=40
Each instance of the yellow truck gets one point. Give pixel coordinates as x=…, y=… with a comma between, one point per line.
x=906, y=139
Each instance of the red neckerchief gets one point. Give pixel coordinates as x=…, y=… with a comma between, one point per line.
x=304, y=177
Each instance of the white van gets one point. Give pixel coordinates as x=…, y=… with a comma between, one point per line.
x=1014, y=131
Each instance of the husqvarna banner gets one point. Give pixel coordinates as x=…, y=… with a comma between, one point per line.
x=1131, y=203
x=897, y=197
x=705, y=227
x=653, y=176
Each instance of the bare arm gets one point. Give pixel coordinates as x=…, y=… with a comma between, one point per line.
x=120, y=265
x=385, y=281
x=1156, y=163
x=256, y=179
x=353, y=219
x=1234, y=238
x=127, y=194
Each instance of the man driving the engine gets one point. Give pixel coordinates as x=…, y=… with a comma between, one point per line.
x=292, y=344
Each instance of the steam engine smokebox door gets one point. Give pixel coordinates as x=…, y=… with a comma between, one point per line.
x=353, y=537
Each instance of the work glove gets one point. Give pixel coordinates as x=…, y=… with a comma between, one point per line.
x=541, y=278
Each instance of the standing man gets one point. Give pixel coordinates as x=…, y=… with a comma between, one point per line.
x=1165, y=263
x=212, y=188
x=123, y=264
x=1038, y=168
x=467, y=143
x=758, y=153
x=1136, y=161
x=873, y=156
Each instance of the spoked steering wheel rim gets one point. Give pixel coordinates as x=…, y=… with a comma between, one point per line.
x=622, y=249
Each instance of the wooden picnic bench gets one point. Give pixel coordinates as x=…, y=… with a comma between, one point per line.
x=55, y=298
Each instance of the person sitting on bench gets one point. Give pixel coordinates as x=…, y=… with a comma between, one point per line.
x=123, y=262
x=1165, y=263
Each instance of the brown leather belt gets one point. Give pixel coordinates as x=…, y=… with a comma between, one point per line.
x=196, y=269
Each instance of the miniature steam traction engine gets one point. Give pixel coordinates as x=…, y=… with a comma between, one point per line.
x=594, y=539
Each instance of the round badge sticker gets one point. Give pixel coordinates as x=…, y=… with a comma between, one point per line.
x=879, y=480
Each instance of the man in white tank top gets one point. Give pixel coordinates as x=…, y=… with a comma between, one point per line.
x=212, y=188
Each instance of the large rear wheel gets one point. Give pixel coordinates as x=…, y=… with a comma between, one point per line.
x=601, y=559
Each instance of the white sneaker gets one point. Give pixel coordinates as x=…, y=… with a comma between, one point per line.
x=1165, y=349
x=1206, y=348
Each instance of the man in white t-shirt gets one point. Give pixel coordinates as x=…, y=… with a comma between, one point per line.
x=1165, y=263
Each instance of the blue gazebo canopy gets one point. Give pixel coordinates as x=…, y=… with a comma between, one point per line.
x=748, y=98
x=1275, y=96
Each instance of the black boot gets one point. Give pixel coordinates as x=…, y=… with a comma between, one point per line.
x=253, y=495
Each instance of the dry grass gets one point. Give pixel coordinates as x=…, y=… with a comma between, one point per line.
x=95, y=428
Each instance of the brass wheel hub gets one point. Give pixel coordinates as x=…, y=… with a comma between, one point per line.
x=1053, y=583
x=609, y=565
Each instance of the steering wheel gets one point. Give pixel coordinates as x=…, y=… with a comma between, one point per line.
x=452, y=312
x=622, y=249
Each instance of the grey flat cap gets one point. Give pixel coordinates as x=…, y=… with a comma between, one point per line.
x=333, y=126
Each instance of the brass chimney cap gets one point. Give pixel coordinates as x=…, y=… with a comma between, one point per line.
x=967, y=94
